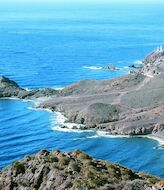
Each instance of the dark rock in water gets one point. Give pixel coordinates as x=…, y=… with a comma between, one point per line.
x=136, y=66
x=72, y=171
x=111, y=67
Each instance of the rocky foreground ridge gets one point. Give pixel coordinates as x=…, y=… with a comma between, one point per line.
x=129, y=105
x=72, y=171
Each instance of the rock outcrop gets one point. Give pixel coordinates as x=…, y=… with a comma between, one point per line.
x=72, y=171
x=110, y=67
x=96, y=113
x=10, y=89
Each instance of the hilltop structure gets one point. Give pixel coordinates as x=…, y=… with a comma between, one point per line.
x=160, y=48
x=154, y=63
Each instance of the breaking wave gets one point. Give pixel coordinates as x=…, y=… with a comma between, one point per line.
x=93, y=67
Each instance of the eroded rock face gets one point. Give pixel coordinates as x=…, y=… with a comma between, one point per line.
x=8, y=88
x=98, y=113
x=72, y=171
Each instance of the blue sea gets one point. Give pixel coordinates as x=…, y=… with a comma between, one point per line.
x=54, y=46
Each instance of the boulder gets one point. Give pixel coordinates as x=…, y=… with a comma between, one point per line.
x=111, y=67
x=98, y=113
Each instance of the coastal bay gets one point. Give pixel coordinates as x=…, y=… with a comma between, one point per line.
x=74, y=96
x=77, y=78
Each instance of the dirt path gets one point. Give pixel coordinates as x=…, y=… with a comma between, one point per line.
x=118, y=99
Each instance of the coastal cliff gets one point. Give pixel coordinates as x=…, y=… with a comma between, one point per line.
x=72, y=171
x=129, y=105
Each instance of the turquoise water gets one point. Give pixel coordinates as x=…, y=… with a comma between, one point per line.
x=57, y=46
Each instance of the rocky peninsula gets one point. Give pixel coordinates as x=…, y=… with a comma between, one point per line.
x=129, y=105
x=72, y=171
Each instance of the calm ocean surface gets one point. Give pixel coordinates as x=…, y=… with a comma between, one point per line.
x=56, y=46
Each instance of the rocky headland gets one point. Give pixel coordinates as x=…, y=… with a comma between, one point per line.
x=10, y=89
x=72, y=171
x=129, y=105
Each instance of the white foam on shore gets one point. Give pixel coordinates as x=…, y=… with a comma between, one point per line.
x=160, y=140
x=60, y=118
x=58, y=88
x=104, y=134
x=43, y=109
x=126, y=67
x=23, y=100
x=92, y=67
x=61, y=124
x=99, y=68
x=27, y=89
x=138, y=62
x=100, y=134
x=69, y=127
x=70, y=130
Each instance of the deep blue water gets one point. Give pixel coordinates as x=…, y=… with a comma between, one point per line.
x=51, y=47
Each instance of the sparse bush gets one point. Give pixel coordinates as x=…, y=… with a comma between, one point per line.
x=73, y=166
x=83, y=156
x=20, y=168
x=64, y=160
x=54, y=159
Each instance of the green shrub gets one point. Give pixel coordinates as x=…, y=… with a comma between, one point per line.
x=73, y=166
x=54, y=159
x=20, y=168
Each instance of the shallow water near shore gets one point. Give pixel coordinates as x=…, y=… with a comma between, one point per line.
x=59, y=46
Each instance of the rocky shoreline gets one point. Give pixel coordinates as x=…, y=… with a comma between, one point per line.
x=72, y=171
x=129, y=105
